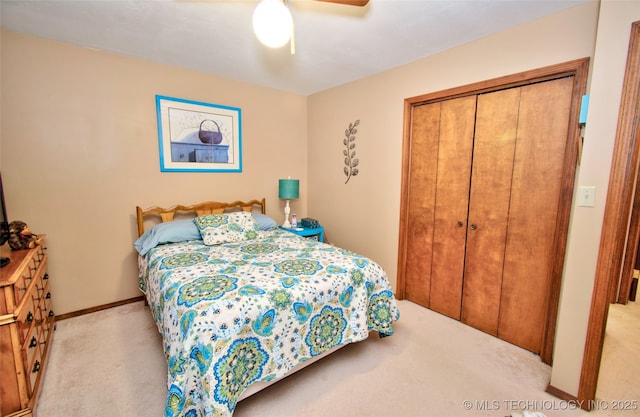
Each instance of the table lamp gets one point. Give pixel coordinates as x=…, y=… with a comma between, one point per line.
x=288, y=190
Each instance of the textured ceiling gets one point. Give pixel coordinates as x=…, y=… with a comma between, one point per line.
x=335, y=44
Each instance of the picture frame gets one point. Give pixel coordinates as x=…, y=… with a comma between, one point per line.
x=195, y=136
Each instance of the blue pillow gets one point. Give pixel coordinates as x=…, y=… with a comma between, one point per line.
x=168, y=232
x=264, y=222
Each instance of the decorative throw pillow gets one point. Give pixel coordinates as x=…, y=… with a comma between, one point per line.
x=226, y=227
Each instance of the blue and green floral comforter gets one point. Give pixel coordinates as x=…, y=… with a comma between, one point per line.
x=237, y=313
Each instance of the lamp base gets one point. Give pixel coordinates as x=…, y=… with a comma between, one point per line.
x=287, y=210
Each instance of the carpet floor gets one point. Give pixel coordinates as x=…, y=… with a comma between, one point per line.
x=110, y=363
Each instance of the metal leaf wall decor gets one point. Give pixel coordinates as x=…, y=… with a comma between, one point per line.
x=350, y=160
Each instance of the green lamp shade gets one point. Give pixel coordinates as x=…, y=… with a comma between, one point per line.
x=288, y=189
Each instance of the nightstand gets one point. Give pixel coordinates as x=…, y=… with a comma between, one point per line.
x=317, y=233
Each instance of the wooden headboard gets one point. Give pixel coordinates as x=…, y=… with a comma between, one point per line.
x=210, y=207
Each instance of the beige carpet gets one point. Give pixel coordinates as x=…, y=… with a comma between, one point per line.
x=110, y=363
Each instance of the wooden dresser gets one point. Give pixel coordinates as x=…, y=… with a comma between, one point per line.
x=26, y=327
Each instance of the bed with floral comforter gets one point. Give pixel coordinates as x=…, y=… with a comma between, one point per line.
x=231, y=314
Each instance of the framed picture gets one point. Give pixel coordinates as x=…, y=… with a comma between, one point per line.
x=198, y=137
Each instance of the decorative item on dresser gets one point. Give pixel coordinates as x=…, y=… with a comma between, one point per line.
x=26, y=324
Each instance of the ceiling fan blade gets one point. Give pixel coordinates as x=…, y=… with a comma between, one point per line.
x=359, y=3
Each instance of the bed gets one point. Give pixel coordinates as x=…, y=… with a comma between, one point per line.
x=241, y=303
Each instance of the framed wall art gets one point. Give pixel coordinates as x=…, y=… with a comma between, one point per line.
x=198, y=137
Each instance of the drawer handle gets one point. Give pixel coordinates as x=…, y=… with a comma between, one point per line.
x=33, y=343
x=29, y=318
x=46, y=276
x=36, y=367
x=51, y=313
x=48, y=295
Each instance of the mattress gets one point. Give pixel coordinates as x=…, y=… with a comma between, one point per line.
x=234, y=314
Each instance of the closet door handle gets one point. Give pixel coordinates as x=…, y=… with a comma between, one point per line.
x=459, y=224
x=474, y=227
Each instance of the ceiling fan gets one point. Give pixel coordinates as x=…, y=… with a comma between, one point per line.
x=359, y=3
x=273, y=24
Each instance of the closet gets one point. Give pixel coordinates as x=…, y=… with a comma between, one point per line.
x=484, y=192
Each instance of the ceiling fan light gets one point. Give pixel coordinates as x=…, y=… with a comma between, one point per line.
x=272, y=23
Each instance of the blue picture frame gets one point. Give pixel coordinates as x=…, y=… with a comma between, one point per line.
x=194, y=136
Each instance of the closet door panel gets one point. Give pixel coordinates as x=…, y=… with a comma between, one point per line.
x=451, y=204
x=425, y=133
x=494, y=146
x=535, y=195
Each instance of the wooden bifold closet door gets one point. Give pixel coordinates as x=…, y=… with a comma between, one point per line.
x=484, y=184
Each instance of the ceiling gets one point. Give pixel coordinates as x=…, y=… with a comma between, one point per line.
x=334, y=44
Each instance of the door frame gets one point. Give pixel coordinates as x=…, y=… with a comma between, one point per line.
x=576, y=68
x=621, y=289
x=615, y=226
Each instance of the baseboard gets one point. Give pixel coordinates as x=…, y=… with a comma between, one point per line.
x=585, y=405
x=98, y=308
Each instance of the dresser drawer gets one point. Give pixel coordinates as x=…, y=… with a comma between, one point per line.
x=40, y=253
x=44, y=302
x=34, y=370
x=28, y=274
x=21, y=286
x=39, y=295
x=31, y=346
x=47, y=316
x=28, y=316
x=45, y=329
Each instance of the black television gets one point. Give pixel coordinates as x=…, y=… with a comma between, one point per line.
x=4, y=225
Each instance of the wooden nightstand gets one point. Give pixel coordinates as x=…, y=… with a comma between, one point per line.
x=317, y=233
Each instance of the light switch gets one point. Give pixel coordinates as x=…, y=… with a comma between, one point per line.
x=586, y=196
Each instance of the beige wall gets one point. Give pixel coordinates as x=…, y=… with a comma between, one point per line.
x=369, y=217
x=79, y=151
x=367, y=220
